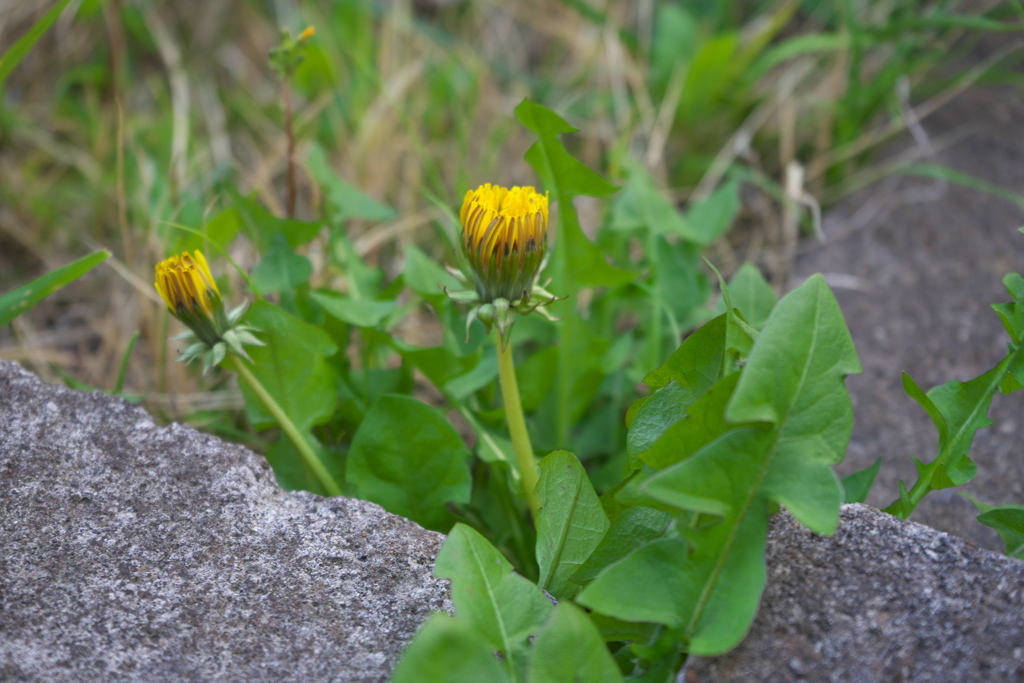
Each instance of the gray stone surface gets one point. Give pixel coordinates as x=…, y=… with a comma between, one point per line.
x=130, y=551
x=927, y=258
x=881, y=600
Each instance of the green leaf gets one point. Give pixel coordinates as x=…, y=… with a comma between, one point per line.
x=424, y=276
x=704, y=422
x=578, y=260
x=345, y=201
x=635, y=527
x=958, y=410
x=710, y=590
x=626, y=590
x=570, y=525
x=291, y=471
x=292, y=367
x=17, y=301
x=662, y=409
x=1008, y=521
x=17, y=52
x=536, y=376
x=641, y=206
x=570, y=648
x=795, y=381
x=409, y=459
x=752, y=295
x=697, y=364
x=364, y=281
x=357, y=312
x=502, y=607
x=679, y=284
x=857, y=485
x=712, y=218
x=438, y=364
x=263, y=225
x=216, y=232
x=792, y=387
x=1012, y=314
x=613, y=630
x=281, y=269
x=739, y=335
x=446, y=650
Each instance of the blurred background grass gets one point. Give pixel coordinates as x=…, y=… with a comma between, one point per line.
x=129, y=116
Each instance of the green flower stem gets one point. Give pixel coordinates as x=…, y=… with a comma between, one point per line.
x=305, y=450
x=528, y=469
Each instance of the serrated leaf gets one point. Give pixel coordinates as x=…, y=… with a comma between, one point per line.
x=649, y=585
x=218, y=231
x=641, y=206
x=612, y=629
x=958, y=410
x=438, y=364
x=263, y=225
x=665, y=582
x=292, y=367
x=1014, y=373
x=281, y=269
x=752, y=295
x=792, y=385
x=795, y=381
x=570, y=525
x=697, y=364
x=344, y=200
x=570, y=648
x=712, y=217
x=636, y=526
x=577, y=259
x=915, y=392
x=503, y=607
x=739, y=335
x=703, y=423
x=409, y=459
x=857, y=486
x=357, y=312
x=1008, y=521
x=662, y=409
x=448, y=650
x=424, y=276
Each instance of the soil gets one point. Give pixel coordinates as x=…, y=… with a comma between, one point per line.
x=927, y=259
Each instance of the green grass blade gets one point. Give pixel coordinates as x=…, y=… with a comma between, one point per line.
x=119, y=385
x=17, y=52
x=16, y=302
x=948, y=174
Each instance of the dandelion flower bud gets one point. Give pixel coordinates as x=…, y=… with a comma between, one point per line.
x=187, y=287
x=504, y=238
x=504, y=244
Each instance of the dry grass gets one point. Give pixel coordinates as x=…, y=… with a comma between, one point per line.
x=142, y=113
